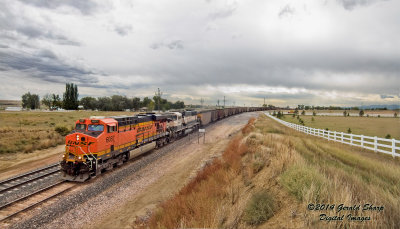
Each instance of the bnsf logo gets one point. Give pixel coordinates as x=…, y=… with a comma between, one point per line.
x=142, y=129
x=110, y=139
x=79, y=143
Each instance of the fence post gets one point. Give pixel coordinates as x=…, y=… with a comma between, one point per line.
x=342, y=138
x=334, y=135
x=393, y=147
x=328, y=135
x=351, y=138
x=362, y=141
x=375, y=144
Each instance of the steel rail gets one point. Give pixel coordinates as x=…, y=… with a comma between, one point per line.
x=34, y=204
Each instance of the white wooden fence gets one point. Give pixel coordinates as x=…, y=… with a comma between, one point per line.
x=388, y=146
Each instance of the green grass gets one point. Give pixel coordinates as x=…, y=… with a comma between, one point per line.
x=369, y=126
x=26, y=131
x=299, y=179
x=259, y=209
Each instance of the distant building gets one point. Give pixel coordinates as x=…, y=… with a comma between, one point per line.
x=13, y=108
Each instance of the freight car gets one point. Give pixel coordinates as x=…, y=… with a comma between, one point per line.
x=98, y=143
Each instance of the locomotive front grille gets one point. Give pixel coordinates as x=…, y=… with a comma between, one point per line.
x=71, y=156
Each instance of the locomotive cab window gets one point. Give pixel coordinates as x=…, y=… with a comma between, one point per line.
x=80, y=126
x=96, y=128
x=111, y=129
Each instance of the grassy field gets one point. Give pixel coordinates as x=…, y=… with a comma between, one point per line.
x=27, y=131
x=370, y=126
x=268, y=176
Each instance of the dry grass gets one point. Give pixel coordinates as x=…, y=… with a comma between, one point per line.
x=27, y=131
x=336, y=173
x=198, y=203
x=294, y=169
x=370, y=126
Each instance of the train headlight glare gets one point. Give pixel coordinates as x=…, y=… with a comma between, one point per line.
x=77, y=137
x=79, y=157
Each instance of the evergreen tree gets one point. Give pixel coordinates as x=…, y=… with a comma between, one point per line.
x=70, y=98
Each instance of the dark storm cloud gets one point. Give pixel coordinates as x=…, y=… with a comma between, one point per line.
x=352, y=4
x=286, y=11
x=13, y=25
x=311, y=69
x=302, y=49
x=84, y=7
x=46, y=66
x=41, y=32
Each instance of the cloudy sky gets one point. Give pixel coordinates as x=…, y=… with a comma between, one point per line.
x=330, y=52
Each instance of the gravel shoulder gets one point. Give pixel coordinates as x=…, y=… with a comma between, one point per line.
x=117, y=198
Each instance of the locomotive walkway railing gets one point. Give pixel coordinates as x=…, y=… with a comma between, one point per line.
x=388, y=146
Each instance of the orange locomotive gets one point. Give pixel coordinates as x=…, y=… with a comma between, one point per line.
x=100, y=143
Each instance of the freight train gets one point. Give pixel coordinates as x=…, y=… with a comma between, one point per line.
x=98, y=144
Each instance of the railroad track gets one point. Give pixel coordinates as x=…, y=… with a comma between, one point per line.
x=11, y=184
x=15, y=207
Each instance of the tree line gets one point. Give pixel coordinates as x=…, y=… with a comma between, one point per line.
x=53, y=101
x=307, y=107
x=120, y=103
x=106, y=103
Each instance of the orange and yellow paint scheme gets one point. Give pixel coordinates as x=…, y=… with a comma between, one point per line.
x=96, y=141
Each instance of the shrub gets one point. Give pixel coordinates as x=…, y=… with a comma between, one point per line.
x=349, y=131
x=303, y=112
x=361, y=113
x=259, y=209
x=314, y=113
x=312, y=119
x=395, y=115
x=62, y=130
x=388, y=136
x=299, y=179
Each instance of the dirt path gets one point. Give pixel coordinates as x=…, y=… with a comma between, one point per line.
x=14, y=164
x=119, y=205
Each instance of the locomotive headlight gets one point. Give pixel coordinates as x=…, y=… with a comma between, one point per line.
x=77, y=137
x=79, y=157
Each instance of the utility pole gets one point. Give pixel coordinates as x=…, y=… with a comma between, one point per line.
x=224, y=101
x=264, y=100
x=218, y=103
x=202, y=102
x=158, y=95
